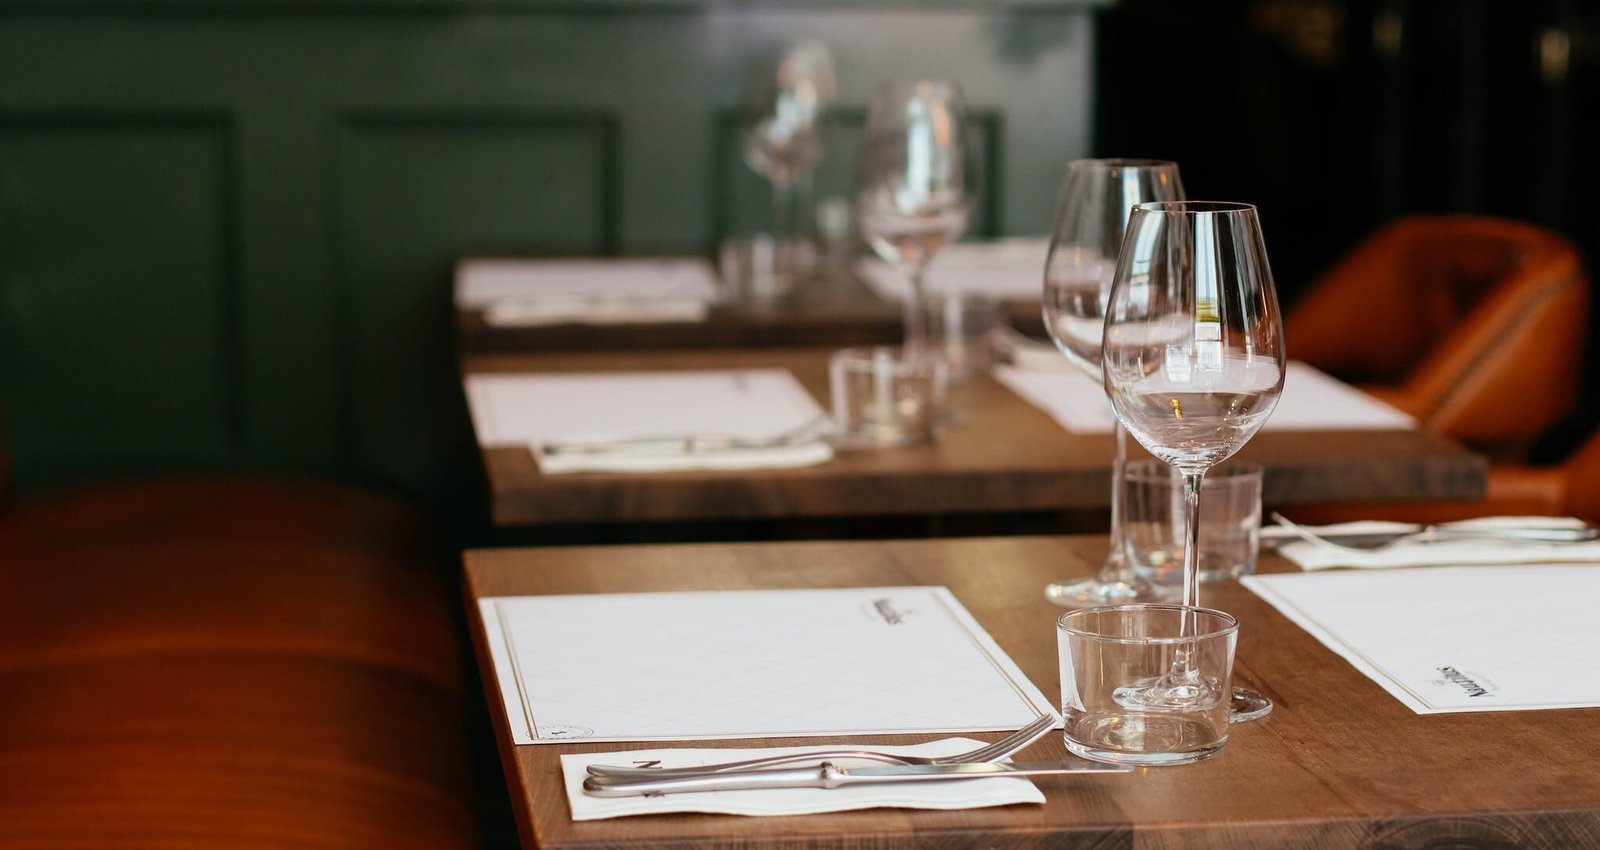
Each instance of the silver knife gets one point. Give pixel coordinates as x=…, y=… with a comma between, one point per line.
x=830, y=775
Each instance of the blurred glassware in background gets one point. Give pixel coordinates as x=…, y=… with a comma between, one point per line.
x=783, y=143
x=962, y=328
x=1091, y=217
x=914, y=186
x=883, y=398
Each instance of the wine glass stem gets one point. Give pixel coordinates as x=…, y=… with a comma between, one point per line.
x=1191, y=549
x=1119, y=462
x=782, y=202
x=916, y=312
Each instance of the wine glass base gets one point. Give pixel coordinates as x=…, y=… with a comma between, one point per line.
x=1248, y=705
x=1094, y=593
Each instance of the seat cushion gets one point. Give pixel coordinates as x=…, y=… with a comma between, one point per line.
x=229, y=751
x=245, y=565
x=229, y=663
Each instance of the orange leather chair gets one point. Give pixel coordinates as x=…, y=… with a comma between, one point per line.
x=1473, y=325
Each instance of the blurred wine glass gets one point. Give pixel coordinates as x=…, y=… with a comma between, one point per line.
x=1091, y=216
x=783, y=141
x=1193, y=362
x=914, y=186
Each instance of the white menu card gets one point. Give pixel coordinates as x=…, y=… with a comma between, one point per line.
x=750, y=664
x=1311, y=401
x=1454, y=639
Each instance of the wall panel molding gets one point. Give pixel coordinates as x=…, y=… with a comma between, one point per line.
x=413, y=189
x=88, y=185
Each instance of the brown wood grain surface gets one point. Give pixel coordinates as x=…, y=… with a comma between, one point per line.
x=1006, y=455
x=1338, y=764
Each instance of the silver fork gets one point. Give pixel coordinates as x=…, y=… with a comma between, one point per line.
x=1445, y=532
x=987, y=753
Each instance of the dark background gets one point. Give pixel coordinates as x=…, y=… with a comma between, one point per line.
x=1335, y=117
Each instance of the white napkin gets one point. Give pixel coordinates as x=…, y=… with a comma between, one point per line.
x=1313, y=556
x=962, y=794
x=729, y=459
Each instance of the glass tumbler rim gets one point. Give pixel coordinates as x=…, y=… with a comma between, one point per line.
x=1196, y=208
x=1120, y=162
x=1231, y=624
x=1150, y=468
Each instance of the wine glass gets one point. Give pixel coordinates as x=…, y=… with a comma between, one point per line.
x=914, y=186
x=1193, y=361
x=1096, y=198
x=784, y=140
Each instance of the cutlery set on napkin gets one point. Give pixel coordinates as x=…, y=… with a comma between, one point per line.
x=652, y=421
x=1384, y=545
x=943, y=774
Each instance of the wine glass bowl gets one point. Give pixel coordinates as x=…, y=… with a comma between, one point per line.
x=1091, y=215
x=914, y=184
x=783, y=142
x=1192, y=354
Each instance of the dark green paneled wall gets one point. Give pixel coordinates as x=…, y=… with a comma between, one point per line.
x=227, y=230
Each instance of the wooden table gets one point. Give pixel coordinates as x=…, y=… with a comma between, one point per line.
x=1339, y=762
x=1007, y=456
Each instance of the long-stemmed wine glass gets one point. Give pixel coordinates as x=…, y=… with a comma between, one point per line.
x=1091, y=216
x=1193, y=364
x=784, y=140
x=913, y=186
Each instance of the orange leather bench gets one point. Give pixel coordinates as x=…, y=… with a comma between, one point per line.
x=229, y=663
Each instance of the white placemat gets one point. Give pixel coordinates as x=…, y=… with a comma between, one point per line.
x=751, y=664
x=966, y=794
x=1311, y=401
x=1454, y=639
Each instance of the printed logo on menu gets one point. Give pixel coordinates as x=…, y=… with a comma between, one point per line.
x=886, y=610
x=1473, y=684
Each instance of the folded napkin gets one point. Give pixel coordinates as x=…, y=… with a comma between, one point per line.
x=960, y=794
x=1457, y=552
x=787, y=456
x=594, y=311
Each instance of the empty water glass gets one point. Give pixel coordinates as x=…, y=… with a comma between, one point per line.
x=1107, y=653
x=881, y=397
